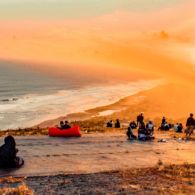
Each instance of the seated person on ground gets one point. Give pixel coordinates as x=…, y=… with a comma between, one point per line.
x=117, y=124
x=180, y=128
x=133, y=125
x=67, y=125
x=109, y=123
x=150, y=128
x=144, y=134
x=130, y=133
x=164, y=124
x=8, y=151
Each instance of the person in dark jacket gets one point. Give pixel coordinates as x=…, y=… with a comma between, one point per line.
x=8, y=151
x=133, y=125
x=190, y=124
x=163, y=121
x=109, y=124
x=140, y=119
x=67, y=125
x=130, y=134
x=179, y=128
x=117, y=124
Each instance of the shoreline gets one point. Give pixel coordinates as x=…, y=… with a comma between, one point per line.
x=92, y=99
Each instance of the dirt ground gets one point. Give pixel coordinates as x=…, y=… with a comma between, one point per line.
x=158, y=180
x=102, y=163
x=96, y=152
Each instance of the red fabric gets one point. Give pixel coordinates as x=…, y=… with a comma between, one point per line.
x=72, y=132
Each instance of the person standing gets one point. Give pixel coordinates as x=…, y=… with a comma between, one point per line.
x=190, y=124
x=140, y=119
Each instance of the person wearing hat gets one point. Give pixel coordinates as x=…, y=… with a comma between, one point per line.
x=190, y=124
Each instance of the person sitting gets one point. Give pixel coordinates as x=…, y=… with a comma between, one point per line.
x=145, y=134
x=109, y=124
x=142, y=132
x=164, y=125
x=8, y=151
x=150, y=128
x=61, y=125
x=117, y=124
x=180, y=128
x=66, y=125
x=130, y=134
x=133, y=125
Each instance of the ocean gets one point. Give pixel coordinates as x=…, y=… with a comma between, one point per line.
x=28, y=97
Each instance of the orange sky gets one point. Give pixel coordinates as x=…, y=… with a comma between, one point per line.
x=158, y=42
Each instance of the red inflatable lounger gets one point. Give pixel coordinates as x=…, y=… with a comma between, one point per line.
x=72, y=132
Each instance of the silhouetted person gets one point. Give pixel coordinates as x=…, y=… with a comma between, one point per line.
x=163, y=121
x=61, y=125
x=109, y=124
x=117, y=124
x=190, y=124
x=8, y=151
x=130, y=133
x=140, y=119
x=133, y=125
x=164, y=125
x=66, y=125
x=179, y=128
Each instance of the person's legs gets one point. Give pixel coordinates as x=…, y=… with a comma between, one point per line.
x=189, y=130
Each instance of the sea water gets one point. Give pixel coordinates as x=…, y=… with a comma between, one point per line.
x=29, y=97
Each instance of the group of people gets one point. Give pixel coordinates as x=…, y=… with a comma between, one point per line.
x=165, y=125
x=8, y=151
x=145, y=131
x=64, y=125
x=117, y=124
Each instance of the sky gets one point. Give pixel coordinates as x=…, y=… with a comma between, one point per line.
x=62, y=9
x=100, y=33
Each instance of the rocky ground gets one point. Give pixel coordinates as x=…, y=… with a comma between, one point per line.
x=161, y=179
